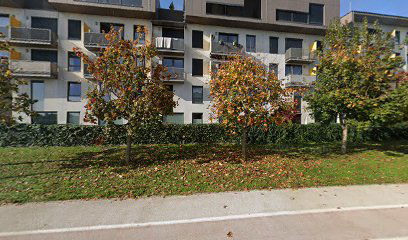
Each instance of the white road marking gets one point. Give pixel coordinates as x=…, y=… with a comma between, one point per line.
x=200, y=220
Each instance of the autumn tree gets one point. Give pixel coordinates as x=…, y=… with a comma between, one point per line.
x=244, y=94
x=126, y=85
x=10, y=98
x=356, y=70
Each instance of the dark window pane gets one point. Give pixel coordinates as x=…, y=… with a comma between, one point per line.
x=197, y=118
x=197, y=39
x=316, y=13
x=300, y=17
x=74, y=62
x=45, y=118
x=197, y=67
x=198, y=95
x=273, y=45
x=45, y=23
x=251, y=43
x=74, y=29
x=73, y=118
x=74, y=92
x=293, y=70
x=235, y=11
x=216, y=9
x=106, y=27
x=176, y=118
x=293, y=43
x=173, y=62
x=44, y=55
x=173, y=32
x=282, y=15
x=228, y=37
x=273, y=67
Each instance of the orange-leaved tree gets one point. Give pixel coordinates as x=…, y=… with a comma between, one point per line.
x=245, y=94
x=127, y=85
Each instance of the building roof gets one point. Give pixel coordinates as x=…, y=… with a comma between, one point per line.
x=383, y=19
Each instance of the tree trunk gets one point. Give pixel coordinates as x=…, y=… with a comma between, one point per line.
x=128, y=147
x=344, y=127
x=244, y=144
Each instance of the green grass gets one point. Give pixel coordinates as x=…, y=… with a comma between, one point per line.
x=62, y=173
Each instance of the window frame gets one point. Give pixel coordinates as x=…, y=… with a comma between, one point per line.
x=70, y=67
x=80, y=29
x=310, y=12
x=79, y=118
x=270, y=45
x=194, y=42
x=199, y=114
x=193, y=63
x=249, y=48
x=199, y=100
x=46, y=112
x=31, y=92
x=143, y=37
x=69, y=91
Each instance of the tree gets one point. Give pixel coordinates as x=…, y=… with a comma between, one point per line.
x=171, y=7
x=127, y=85
x=10, y=98
x=245, y=94
x=355, y=71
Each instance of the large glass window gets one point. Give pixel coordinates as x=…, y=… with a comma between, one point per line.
x=316, y=14
x=45, y=118
x=73, y=118
x=74, y=92
x=173, y=62
x=197, y=67
x=293, y=70
x=37, y=94
x=176, y=118
x=197, y=118
x=293, y=43
x=74, y=29
x=74, y=62
x=197, y=39
x=139, y=35
x=44, y=55
x=251, y=43
x=45, y=23
x=198, y=95
x=228, y=37
x=274, y=45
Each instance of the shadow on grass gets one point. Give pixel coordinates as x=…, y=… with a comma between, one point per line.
x=147, y=155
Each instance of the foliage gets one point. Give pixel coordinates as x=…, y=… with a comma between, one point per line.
x=10, y=99
x=127, y=85
x=286, y=134
x=171, y=6
x=244, y=94
x=355, y=71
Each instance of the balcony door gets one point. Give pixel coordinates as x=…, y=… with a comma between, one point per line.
x=45, y=23
x=106, y=27
x=293, y=43
x=173, y=33
x=44, y=55
x=228, y=37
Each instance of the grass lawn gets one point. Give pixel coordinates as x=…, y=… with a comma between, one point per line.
x=62, y=173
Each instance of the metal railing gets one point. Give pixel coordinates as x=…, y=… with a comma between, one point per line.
x=173, y=44
x=176, y=73
x=33, y=35
x=28, y=68
x=128, y=3
x=299, y=54
x=298, y=80
x=225, y=47
x=95, y=39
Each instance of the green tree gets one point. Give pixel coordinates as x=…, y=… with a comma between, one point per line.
x=127, y=85
x=10, y=98
x=171, y=7
x=244, y=94
x=355, y=71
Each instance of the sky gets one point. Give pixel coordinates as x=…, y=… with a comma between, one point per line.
x=391, y=7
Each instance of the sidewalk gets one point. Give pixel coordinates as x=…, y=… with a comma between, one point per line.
x=80, y=216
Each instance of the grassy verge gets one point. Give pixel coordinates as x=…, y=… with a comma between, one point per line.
x=62, y=173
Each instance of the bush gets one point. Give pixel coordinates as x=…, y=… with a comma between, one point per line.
x=71, y=135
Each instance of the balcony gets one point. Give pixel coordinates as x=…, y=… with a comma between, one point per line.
x=224, y=48
x=170, y=45
x=127, y=3
x=95, y=40
x=35, y=69
x=177, y=75
x=299, y=55
x=298, y=81
x=22, y=36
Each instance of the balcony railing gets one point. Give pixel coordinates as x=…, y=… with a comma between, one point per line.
x=225, y=48
x=299, y=55
x=29, y=35
x=298, y=81
x=28, y=68
x=95, y=39
x=169, y=44
x=128, y=3
x=176, y=74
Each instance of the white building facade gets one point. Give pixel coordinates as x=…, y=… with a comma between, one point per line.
x=283, y=34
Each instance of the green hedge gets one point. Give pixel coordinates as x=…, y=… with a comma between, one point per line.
x=70, y=135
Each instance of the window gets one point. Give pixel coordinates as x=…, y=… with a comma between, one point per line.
x=274, y=45
x=74, y=92
x=37, y=94
x=228, y=37
x=293, y=43
x=397, y=37
x=176, y=118
x=45, y=118
x=73, y=118
x=197, y=95
x=197, y=118
x=173, y=32
x=298, y=101
x=282, y=15
x=106, y=27
x=293, y=70
x=197, y=39
x=45, y=23
x=273, y=67
x=234, y=11
x=316, y=13
x=74, y=29
x=173, y=62
x=170, y=88
x=74, y=62
x=141, y=35
x=197, y=67
x=216, y=9
x=44, y=55
x=251, y=43
x=300, y=17
x=251, y=9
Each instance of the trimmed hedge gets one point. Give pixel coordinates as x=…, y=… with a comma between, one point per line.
x=71, y=135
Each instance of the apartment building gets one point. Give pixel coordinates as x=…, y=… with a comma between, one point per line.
x=283, y=34
x=396, y=25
